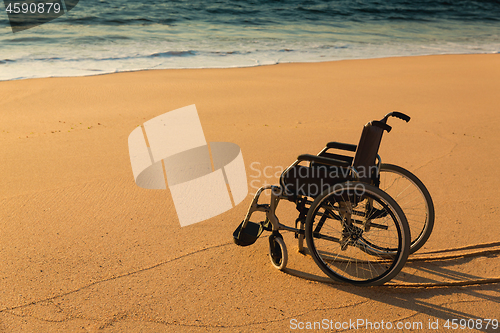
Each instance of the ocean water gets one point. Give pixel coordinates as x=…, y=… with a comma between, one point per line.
x=106, y=36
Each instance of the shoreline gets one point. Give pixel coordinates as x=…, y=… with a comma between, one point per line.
x=252, y=66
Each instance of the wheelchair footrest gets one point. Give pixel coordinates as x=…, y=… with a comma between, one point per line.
x=248, y=235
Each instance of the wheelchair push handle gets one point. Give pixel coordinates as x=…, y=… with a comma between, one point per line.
x=383, y=122
x=396, y=114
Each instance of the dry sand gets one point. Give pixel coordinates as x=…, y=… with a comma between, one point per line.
x=83, y=248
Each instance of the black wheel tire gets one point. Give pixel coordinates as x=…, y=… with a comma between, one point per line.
x=278, y=252
x=413, y=198
x=361, y=258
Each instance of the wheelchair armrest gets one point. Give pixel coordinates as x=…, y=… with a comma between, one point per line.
x=322, y=160
x=341, y=146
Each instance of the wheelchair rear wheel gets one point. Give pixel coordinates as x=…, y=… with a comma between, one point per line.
x=413, y=198
x=358, y=234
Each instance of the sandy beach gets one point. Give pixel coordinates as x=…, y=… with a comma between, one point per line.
x=83, y=249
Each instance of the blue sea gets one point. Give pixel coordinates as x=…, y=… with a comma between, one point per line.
x=107, y=36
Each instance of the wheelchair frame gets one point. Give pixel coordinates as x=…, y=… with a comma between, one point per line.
x=366, y=155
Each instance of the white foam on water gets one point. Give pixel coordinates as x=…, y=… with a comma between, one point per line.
x=70, y=52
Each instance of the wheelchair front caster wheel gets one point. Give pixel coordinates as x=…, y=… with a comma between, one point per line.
x=278, y=252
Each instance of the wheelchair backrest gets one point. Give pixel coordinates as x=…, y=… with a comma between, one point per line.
x=367, y=149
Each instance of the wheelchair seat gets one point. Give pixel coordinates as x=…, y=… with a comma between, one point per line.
x=327, y=169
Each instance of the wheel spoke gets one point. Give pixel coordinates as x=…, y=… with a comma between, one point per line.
x=344, y=249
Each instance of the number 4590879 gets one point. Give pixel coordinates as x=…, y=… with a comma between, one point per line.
x=33, y=8
x=471, y=324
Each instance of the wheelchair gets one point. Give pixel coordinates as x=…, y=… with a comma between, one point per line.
x=360, y=218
